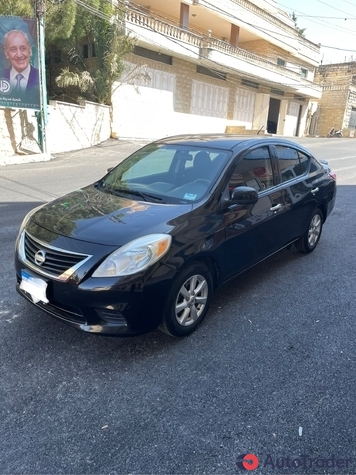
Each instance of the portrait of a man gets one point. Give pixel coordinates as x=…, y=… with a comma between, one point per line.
x=20, y=78
x=23, y=77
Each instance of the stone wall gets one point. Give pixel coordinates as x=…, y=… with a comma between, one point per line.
x=338, y=97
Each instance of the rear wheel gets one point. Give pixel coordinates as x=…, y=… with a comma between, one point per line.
x=309, y=240
x=188, y=301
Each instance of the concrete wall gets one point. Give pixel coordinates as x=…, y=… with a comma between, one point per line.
x=149, y=114
x=70, y=127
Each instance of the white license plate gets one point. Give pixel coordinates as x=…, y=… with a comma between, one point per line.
x=35, y=286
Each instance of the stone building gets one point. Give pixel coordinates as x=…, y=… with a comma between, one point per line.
x=227, y=65
x=337, y=105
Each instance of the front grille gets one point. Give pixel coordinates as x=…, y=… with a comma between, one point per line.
x=55, y=262
x=70, y=314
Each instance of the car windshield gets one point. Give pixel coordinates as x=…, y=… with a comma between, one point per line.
x=166, y=173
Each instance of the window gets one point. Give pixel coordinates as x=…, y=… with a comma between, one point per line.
x=281, y=62
x=158, y=161
x=211, y=72
x=209, y=100
x=304, y=73
x=247, y=82
x=314, y=166
x=156, y=56
x=255, y=170
x=244, y=105
x=161, y=80
x=293, y=109
x=352, y=121
x=292, y=163
x=85, y=51
x=278, y=92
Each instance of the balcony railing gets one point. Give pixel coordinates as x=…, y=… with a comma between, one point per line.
x=271, y=19
x=206, y=43
x=154, y=24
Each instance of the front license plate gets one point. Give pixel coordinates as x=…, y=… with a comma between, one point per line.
x=35, y=286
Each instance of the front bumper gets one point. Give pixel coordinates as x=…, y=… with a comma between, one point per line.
x=125, y=306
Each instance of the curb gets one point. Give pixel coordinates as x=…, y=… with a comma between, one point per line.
x=18, y=159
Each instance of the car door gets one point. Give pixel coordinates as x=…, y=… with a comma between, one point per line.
x=301, y=185
x=255, y=231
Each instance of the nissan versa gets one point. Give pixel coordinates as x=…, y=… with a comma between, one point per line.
x=146, y=245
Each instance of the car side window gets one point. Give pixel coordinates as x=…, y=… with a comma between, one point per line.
x=292, y=162
x=254, y=170
x=314, y=166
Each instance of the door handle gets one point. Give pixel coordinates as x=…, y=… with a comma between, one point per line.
x=276, y=207
x=315, y=190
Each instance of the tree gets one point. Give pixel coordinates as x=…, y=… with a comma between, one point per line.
x=59, y=20
x=23, y=8
x=301, y=31
x=95, y=80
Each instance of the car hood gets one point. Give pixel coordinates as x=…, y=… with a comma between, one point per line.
x=91, y=215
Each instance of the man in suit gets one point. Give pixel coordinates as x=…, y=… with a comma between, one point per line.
x=23, y=77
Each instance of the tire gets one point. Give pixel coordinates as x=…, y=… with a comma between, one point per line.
x=309, y=240
x=188, y=301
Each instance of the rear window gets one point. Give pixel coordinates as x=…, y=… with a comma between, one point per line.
x=292, y=162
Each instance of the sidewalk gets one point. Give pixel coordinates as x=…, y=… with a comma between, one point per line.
x=122, y=148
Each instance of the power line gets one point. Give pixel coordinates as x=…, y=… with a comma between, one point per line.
x=329, y=17
x=332, y=6
x=322, y=23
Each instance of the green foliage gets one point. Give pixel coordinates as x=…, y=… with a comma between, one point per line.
x=22, y=8
x=60, y=20
x=110, y=47
x=301, y=31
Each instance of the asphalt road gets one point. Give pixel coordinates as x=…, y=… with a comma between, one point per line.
x=270, y=372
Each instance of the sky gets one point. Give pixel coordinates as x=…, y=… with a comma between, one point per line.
x=332, y=23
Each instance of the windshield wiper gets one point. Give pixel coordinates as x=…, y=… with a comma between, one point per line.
x=128, y=191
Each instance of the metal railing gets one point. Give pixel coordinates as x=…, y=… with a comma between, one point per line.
x=206, y=42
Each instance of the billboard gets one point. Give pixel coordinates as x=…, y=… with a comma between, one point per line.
x=19, y=73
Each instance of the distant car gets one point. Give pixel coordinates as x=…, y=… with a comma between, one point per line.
x=146, y=245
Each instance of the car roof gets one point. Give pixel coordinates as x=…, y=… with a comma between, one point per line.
x=226, y=141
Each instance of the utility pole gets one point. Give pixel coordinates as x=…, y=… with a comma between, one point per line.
x=42, y=115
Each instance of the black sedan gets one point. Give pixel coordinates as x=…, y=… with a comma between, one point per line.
x=146, y=245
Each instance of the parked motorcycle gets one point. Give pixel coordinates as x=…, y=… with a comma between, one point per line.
x=334, y=133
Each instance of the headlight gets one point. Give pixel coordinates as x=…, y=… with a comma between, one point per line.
x=135, y=256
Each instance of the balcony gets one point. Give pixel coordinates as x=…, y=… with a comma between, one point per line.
x=159, y=35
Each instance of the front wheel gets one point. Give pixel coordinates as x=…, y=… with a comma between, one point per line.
x=310, y=239
x=188, y=301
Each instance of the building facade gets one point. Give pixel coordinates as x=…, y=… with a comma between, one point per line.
x=215, y=66
x=337, y=106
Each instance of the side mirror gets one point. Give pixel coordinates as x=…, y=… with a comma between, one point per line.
x=243, y=195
